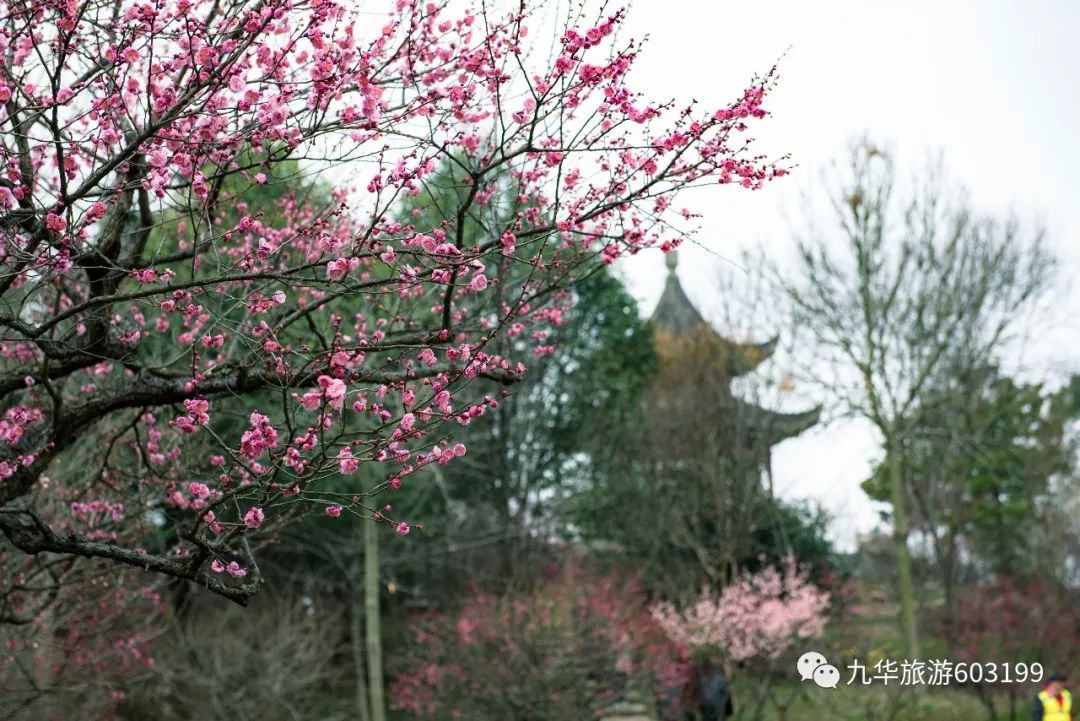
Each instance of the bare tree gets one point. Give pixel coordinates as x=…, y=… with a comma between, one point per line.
x=272, y=663
x=897, y=289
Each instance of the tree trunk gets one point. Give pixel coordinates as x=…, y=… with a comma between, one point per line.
x=373, y=621
x=763, y=694
x=987, y=701
x=905, y=582
x=949, y=576
x=356, y=630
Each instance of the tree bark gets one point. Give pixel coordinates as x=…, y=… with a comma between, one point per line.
x=763, y=693
x=905, y=583
x=373, y=620
x=356, y=630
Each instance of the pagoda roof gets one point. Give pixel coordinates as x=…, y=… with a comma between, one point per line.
x=774, y=427
x=676, y=314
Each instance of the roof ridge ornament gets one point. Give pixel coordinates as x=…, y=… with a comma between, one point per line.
x=671, y=258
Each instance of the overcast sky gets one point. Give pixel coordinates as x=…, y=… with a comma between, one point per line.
x=995, y=85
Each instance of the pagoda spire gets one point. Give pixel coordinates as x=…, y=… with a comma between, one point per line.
x=672, y=261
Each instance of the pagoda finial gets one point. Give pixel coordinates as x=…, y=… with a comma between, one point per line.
x=672, y=260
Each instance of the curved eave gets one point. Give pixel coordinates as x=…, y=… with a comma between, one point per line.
x=776, y=427
x=788, y=425
x=745, y=357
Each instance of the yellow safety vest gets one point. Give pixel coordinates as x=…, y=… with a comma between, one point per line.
x=1054, y=710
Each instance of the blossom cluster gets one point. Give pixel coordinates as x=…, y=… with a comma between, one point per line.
x=165, y=272
x=758, y=615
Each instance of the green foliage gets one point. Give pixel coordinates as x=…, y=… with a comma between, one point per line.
x=481, y=513
x=447, y=190
x=798, y=528
x=609, y=360
x=558, y=424
x=648, y=526
x=527, y=458
x=983, y=456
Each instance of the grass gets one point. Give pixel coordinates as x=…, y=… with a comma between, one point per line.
x=806, y=702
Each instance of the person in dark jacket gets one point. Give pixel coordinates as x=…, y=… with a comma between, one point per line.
x=716, y=703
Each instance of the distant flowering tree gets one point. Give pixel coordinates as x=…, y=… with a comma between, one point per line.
x=757, y=616
x=199, y=368
x=755, y=620
x=79, y=646
x=1026, y=620
x=568, y=649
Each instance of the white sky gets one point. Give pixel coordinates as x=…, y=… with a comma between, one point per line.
x=994, y=84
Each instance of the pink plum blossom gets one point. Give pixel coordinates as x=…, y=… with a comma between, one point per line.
x=756, y=616
x=346, y=463
x=254, y=517
x=335, y=390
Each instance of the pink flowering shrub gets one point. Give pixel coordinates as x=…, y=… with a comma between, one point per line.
x=756, y=616
x=79, y=646
x=1027, y=619
x=572, y=647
